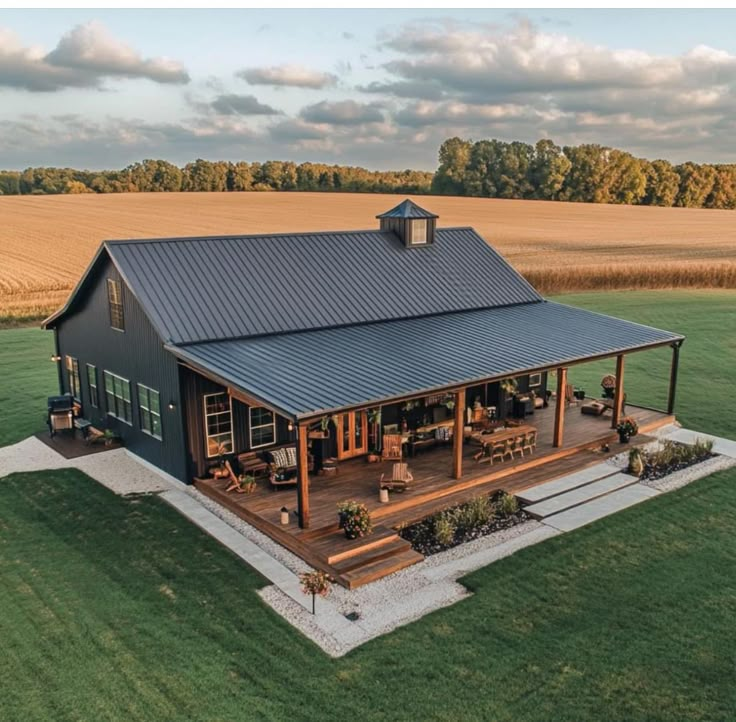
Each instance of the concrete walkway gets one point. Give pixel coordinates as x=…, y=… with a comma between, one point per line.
x=384, y=605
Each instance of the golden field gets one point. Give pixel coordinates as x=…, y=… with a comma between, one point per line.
x=47, y=241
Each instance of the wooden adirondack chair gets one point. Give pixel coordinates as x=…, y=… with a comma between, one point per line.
x=400, y=478
x=392, y=447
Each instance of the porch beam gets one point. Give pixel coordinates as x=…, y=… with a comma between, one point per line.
x=618, y=395
x=457, y=436
x=302, y=474
x=560, y=402
x=673, y=377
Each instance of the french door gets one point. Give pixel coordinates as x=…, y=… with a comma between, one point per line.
x=352, y=434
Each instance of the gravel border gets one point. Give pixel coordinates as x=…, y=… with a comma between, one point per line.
x=379, y=607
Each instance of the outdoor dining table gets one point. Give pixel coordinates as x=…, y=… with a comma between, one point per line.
x=500, y=435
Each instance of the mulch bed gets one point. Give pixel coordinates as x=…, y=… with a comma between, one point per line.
x=421, y=534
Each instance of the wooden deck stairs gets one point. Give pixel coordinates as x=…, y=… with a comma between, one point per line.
x=356, y=562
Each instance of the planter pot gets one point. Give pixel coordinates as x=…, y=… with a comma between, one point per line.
x=373, y=458
x=623, y=438
x=383, y=496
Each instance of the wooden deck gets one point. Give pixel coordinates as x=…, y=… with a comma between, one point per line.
x=364, y=560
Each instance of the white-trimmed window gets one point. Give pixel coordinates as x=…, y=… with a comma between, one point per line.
x=418, y=231
x=262, y=427
x=218, y=424
x=94, y=397
x=72, y=372
x=117, y=395
x=149, y=411
x=115, y=303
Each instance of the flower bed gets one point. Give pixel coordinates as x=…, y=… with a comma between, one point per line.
x=462, y=523
x=669, y=457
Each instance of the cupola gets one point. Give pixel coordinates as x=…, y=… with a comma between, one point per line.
x=412, y=224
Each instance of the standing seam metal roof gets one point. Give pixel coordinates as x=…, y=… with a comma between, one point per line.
x=218, y=288
x=305, y=374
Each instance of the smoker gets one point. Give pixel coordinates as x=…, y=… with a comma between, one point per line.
x=60, y=413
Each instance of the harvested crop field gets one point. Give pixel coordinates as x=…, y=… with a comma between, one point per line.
x=46, y=241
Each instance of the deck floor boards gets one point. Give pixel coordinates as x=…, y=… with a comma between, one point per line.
x=433, y=488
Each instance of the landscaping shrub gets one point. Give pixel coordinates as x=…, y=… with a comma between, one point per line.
x=444, y=529
x=668, y=457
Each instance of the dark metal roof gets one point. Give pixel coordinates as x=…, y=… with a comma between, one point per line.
x=305, y=374
x=407, y=209
x=232, y=287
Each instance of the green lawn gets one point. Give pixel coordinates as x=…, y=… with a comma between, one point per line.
x=28, y=378
x=119, y=609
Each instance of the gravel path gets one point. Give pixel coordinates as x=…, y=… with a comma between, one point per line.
x=376, y=608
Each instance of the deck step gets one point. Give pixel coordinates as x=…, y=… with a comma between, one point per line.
x=566, y=483
x=378, y=568
x=391, y=548
x=337, y=548
x=598, y=508
x=581, y=495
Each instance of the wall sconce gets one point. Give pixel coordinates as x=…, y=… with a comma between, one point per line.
x=284, y=515
x=172, y=405
x=290, y=426
x=56, y=359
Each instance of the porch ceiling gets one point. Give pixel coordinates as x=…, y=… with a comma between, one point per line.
x=311, y=373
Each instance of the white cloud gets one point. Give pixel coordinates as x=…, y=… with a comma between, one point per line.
x=294, y=76
x=84, y=57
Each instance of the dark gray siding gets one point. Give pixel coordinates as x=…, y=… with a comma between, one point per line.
x=194, y=387
x=136, y=354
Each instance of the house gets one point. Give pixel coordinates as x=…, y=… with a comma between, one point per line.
x=190, y=348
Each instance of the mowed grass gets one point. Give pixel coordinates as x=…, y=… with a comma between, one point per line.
x=28, y=378
x=47, y=241
x=118, y=609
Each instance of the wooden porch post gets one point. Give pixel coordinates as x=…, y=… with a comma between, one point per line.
x=302, y=471
x=618, y=395
x=457, y=436
x=560, y=407
x=673, y=377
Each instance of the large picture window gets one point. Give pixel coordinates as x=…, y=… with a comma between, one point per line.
x=117, y=395
x=72, y=372
x=149, y=408
x=262, y=427
x=115, y=302
x=94, y=397
x=218, y=423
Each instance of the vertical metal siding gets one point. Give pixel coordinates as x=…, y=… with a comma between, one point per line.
x=136, y=354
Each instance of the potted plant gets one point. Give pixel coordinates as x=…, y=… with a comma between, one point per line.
x=373, y=456
x=315, y=583
x=110, y=437
x=354, y=519
x=608, y=384
x=510, y=386
x=627, y=428
x=246, y=484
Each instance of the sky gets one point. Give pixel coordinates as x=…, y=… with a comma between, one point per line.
x=378, y=88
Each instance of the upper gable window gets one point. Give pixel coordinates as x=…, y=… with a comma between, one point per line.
x=115, y=302
x=418, y=232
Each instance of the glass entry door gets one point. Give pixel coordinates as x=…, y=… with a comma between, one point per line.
x=352, y=434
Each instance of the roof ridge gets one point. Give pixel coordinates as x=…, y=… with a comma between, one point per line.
x=251, y=236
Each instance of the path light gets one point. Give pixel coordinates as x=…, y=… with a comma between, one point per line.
x=284, y=515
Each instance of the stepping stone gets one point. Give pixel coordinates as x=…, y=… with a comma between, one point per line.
x=598, y=508
x=581, y=495
x=566, y=483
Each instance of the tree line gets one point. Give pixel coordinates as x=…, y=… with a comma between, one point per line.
x=585, y=173
x=203, y=175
